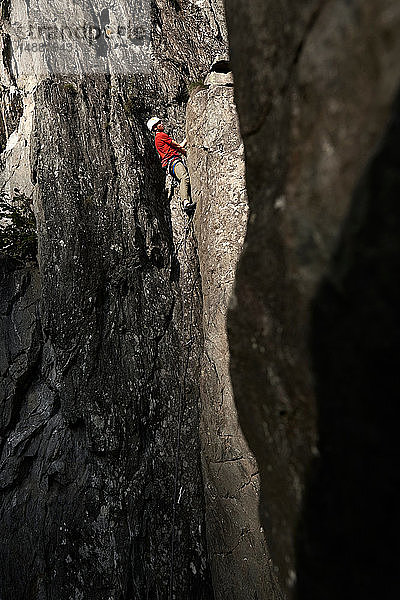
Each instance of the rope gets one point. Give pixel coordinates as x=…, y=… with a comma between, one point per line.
x=184, y=237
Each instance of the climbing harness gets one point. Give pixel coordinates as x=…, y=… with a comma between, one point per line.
x=172, y=164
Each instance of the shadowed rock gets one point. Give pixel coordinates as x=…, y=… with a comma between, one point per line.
x=313, y=87
x=348, y=538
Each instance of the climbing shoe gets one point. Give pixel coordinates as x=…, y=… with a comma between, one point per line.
x=188, y=206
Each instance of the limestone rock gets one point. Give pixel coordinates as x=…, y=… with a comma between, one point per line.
x=219, y=79
x=238, y=552
x=100, y=477
x=314, y=83
x=124, y=470
x=345, y=546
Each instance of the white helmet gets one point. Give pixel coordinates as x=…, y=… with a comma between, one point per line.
x=151, y=122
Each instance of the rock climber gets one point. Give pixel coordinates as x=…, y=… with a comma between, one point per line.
x=170, y=153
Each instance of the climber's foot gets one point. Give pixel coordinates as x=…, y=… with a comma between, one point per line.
x=188, y=206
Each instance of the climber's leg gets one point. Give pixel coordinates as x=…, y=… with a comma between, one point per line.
x=182, y=174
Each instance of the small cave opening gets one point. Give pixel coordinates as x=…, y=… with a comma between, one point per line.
x=221, y=66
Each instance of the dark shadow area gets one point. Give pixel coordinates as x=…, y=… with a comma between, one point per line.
x=347, y=544
x=221, y=66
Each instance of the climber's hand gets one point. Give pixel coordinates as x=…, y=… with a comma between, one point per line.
x=178, y=147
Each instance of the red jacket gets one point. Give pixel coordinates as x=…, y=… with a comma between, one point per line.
x=164, y=148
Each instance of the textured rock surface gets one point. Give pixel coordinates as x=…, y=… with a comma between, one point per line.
x=314, y=83
x=101, y=491
x=101, y=486
x=238, y=552
x=348, y=544
x=98, y=484
x=20, y=347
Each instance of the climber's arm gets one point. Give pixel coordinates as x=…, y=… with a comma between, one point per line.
x=178, y=147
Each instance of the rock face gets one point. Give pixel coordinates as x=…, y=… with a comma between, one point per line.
x=89, y=465
x=238, y=552
x=20, y=349
x=314, y=88
x=124, y=473
x=101, y=483
x=351, y=507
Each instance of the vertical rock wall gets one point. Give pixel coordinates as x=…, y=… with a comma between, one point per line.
x=238, y=552
x=347, y=544
x=101, y=486
x=314, y=83
x=89, y=464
